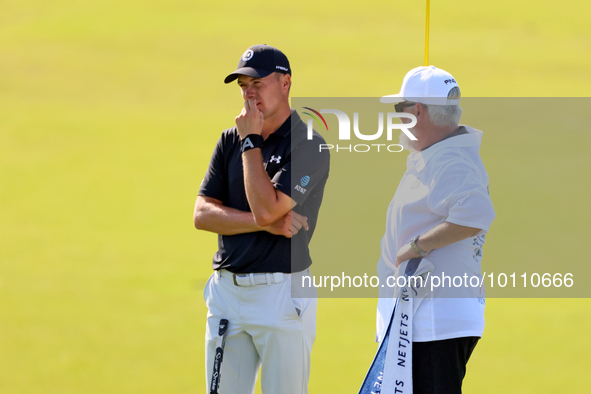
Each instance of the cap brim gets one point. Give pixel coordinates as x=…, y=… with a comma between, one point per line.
x=249, y=72
x=392, y=99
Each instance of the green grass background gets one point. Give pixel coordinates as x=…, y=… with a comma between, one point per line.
x=109, y=111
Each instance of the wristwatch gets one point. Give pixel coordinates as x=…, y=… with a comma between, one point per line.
x=413, y=244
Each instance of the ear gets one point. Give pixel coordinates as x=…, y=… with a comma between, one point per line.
x=421, y=110
x=286, y=82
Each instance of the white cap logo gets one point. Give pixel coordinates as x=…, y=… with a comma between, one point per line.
x=247, y=55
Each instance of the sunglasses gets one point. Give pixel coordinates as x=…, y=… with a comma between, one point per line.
x=400, y=106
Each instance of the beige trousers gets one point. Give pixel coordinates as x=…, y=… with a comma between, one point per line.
x=267, y=328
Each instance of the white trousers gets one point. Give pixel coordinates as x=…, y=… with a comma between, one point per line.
x=268, y=328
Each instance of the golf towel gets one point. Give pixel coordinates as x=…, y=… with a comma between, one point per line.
x=391, y=369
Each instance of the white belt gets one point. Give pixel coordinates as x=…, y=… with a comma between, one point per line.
x=263, y=278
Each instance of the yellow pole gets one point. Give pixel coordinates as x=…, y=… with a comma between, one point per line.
x=427, y=36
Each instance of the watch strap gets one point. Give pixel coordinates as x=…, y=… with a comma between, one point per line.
x=413, y=244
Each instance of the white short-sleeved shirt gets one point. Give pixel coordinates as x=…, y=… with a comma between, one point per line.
x=445, y=182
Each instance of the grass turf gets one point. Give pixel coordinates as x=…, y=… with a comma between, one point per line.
x=109, y=111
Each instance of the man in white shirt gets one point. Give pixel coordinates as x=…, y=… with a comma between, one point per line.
x=441, y=209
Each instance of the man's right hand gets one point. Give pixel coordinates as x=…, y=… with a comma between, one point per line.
x=288, y=225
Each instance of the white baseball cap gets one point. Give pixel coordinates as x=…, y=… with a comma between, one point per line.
x=426, y=85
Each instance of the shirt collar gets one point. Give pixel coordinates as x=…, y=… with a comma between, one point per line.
x=285, y=129
x=420, y=159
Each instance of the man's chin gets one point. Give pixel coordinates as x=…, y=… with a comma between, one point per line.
x=406, y=142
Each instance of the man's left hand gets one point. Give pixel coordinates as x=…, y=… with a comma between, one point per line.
x=250, y=120
x=405, y=253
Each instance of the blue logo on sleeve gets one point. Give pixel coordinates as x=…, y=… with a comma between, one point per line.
x=305, y=180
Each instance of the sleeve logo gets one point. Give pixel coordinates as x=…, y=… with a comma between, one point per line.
x=304, y=182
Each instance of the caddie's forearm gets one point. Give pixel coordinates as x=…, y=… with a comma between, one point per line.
x=262, y=197
x=223, y=220
x=444, y=234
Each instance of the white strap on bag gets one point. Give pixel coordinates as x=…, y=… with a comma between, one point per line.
x=397, y=376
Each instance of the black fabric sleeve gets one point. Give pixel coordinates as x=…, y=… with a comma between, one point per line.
x=215, y=182
x=306, y=169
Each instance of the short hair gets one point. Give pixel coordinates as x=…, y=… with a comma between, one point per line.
x=446, y=115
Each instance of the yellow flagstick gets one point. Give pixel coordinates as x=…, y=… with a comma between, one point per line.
x=427, y=35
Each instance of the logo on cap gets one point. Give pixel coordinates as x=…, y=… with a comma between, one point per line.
x=247, y=55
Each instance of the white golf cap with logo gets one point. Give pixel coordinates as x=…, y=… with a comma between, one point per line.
x=425, y=85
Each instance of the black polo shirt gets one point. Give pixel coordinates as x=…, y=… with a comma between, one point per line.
x=297, y=168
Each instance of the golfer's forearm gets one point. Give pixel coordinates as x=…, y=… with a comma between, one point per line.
x=445, y=234
x=222, y=220
x=265, y=201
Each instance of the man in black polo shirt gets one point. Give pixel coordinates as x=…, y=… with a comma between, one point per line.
x=261, y=194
